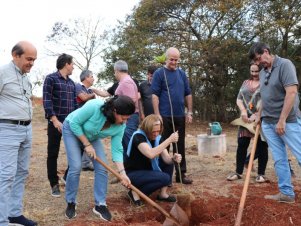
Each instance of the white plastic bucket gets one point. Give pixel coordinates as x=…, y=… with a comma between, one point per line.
x=212, y=145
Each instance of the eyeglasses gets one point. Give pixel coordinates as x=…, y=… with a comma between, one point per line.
x=267, y=78
x=254, y=71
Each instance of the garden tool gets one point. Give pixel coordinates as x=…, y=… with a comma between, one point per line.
x=177, y=216
x=247, y=180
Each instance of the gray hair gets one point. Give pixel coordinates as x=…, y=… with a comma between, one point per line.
x=121, y=66
x=85, y=74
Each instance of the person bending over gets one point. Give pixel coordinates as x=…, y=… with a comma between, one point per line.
x=84, y=129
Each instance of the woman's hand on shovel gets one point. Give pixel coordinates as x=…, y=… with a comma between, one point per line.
x=125, y=180
x=90, y=151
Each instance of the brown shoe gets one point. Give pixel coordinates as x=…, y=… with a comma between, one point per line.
x=281, y=198
x=185, y=180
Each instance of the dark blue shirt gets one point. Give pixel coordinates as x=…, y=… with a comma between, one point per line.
x=59, y=96
x=178, y=87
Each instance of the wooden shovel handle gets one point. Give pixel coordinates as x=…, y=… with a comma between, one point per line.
x=247, y=180
x=141, y=194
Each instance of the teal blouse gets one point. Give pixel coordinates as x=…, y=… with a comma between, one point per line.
x=89, y=120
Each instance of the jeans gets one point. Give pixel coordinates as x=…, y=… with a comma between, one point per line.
x=277, y=143
x=148, y=181
x=168, y=130
x=53, y=148
x=85, y=160
x=15, y=150
x=73, y=148
x=131, y=126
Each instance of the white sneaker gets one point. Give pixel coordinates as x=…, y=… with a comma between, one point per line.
x=260, y=179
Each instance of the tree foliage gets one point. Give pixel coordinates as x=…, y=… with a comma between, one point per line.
x=213, y=37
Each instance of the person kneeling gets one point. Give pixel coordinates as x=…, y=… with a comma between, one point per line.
x=148, y=163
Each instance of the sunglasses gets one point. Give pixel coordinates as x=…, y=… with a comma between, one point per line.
x=267, y=78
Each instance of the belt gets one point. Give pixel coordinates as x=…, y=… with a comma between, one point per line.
x=15, y=122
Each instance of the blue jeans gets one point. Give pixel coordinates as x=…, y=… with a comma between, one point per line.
x=277, y=143
x=15, y=150
x=73, y=150
x=148, y=181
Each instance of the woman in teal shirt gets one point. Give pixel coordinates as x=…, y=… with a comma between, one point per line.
x=83, y=129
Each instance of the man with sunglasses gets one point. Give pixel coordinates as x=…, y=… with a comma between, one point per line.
x=280, y=114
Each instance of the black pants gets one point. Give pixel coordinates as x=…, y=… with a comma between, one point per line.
x=53, y=148
x=167, y=131
x=261, y=152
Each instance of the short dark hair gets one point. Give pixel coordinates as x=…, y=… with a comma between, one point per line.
x=85, y=74
x=123, y=105
x=258, y=48
x=151, y=69
x=62, y=60
x=17, y=49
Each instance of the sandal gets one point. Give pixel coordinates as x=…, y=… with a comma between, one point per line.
x=234, y=176
x=137, y=203
x=170, y=198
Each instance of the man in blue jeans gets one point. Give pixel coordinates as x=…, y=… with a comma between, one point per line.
x=280, y=114
x=15, y=133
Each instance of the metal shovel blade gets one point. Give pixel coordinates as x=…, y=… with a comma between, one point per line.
x=179, y=214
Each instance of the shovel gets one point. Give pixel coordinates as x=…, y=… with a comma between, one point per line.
x=177, y=217
x=247, y=180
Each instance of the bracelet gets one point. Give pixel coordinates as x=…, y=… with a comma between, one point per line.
x=120, y=171
x=87, y=145
x=189, y=113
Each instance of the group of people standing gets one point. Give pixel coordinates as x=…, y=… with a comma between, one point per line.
x=141, y=154
x=74, y=114
x=270, y=96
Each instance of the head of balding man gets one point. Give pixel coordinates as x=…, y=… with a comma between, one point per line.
x=24, y=54
x=172, y=58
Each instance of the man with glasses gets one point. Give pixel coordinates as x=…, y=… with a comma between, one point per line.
x=280, y=114
x=15, y=133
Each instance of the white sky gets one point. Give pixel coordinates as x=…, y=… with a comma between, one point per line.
x=32, y=20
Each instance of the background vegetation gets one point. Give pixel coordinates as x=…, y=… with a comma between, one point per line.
x=213, y=37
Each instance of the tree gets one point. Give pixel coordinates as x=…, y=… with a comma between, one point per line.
x=84, y=39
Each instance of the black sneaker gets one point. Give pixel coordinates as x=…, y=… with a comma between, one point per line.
x=70, y=211
x=55, y=191
x=103, y=212
x=21, y=220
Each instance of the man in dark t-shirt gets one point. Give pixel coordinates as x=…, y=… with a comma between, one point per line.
x=146, y=93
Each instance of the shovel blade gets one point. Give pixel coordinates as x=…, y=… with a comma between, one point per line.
x=179, y=214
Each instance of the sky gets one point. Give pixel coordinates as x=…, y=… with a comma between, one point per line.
x=32, y=20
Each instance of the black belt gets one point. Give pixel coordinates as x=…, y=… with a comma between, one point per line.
x=15, y=122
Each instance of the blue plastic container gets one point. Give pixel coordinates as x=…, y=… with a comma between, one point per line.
x=216, y=128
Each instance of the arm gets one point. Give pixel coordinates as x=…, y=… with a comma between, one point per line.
x=189, y=108
x=140, y=106
x=86, y=96
x=155, y=101
x=291, y=92
x=168, y=159
x=102, y=93
x=151, y=153
x=243, y=110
